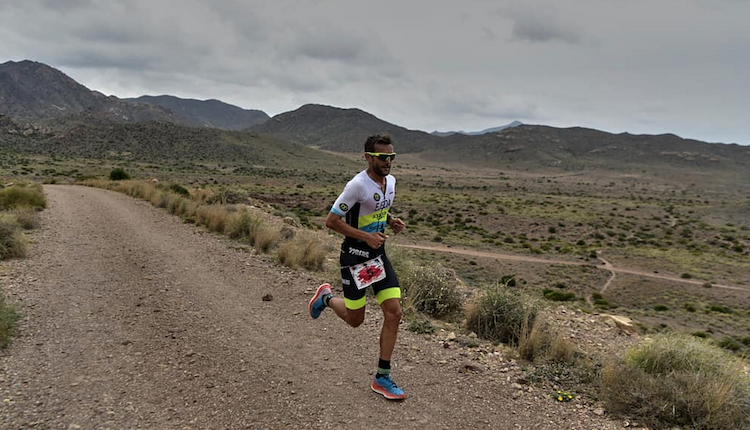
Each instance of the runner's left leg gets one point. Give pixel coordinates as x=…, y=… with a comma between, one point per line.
x=389, y=332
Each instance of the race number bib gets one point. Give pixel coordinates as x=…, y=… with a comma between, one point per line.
x=367, y=273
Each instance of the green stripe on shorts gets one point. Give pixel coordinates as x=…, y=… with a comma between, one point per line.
x=388, y=293
x=355, y=304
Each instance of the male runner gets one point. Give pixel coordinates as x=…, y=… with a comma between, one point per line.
x=365, y=202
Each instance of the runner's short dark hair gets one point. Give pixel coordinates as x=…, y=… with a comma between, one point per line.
x=383, y=138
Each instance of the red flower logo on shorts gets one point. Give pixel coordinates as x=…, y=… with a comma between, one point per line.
x=369, y=273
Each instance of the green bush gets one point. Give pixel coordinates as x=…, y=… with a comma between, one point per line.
x=431, y=290
x=118, y=174
x=8, y=317
x=558, y=296
x=679, y=380
x=12, y=244
x=721, y=309
x=730, y=344
x=179, y=189
x=502, y=315
x=22, y=196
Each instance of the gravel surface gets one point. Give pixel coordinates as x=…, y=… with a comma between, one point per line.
x=136, y=320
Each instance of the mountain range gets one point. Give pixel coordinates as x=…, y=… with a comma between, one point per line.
x=45, y=111
x=477, y=133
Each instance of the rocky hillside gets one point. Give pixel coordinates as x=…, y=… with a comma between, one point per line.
x=581, y=148
x=32, y=91
x=343, y=130
x=207, y=113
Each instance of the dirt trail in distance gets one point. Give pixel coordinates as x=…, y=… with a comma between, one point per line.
x=606, y=265
x=136, y=320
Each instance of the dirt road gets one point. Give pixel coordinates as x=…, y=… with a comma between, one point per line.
x=136, y=320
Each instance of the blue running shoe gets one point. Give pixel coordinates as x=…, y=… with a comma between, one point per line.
x=316, y=305
x=384, y=385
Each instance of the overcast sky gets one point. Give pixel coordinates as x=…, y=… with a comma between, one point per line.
x=656, y=66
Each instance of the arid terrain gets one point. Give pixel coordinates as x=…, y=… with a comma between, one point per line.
x=134, y=319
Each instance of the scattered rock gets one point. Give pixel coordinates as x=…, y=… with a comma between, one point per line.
x=267, y=298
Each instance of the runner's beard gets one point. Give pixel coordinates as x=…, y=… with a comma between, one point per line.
x=382, y=170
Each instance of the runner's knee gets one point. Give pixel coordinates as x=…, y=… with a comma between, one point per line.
x=392, y=313
x=355, y=320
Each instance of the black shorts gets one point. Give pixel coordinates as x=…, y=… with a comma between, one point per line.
x=384, y=289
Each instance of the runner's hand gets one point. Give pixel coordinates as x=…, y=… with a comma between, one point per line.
x=397, y=225
x=375, y=240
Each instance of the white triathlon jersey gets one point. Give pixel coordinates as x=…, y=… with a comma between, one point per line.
x=364, y=204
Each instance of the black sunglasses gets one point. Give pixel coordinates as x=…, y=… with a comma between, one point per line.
x=383, y=156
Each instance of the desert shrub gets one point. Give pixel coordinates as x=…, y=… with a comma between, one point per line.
x=118, y=174
x=266, y=237
x=179, y=189
x=690, y=307
x=502, y=315
x=242, y=225
x=721, y=309
x=22, y=196
x=603, y=304
x=303, y=250
x=543, y=342
x=432, y=290
x=176, y=205
x=508, y=280
x=8, y=317
x=213, y=217
x=12, y=244
x=679, y=380
x=418, y=323
x=226, y=197
x=558, y=296
x=730, y=344
x=661, y=308
x=27, y=218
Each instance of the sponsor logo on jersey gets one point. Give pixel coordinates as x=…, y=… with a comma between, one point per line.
x=376, y=197
x=346, y=281
x=344, y=207
x=382, y=205
x=359, y=252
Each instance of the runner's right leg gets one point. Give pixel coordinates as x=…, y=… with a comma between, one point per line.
x=353, y=317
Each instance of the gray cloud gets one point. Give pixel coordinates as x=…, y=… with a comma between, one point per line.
x=668, y=66
x=535, y=23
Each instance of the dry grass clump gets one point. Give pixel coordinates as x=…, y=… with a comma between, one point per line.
x=502, y=315
x=545, y=342
x=306, y=250
x=432, y=290
x=22, y=196
x=12, y=244
x=28, y=218
x=246, y=227
x=214, y=217
x=8, y=317
x=679, y=380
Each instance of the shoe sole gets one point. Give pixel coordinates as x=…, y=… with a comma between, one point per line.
x=316, y=297
x=386, y=394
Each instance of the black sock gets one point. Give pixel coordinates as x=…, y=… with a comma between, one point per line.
x=327, y=299
x=384, y=367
